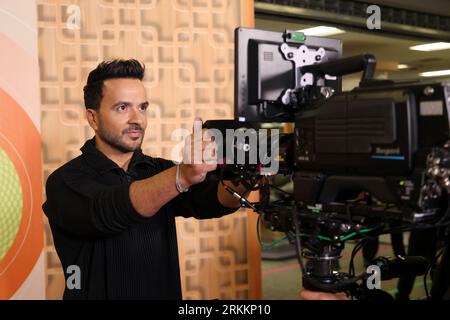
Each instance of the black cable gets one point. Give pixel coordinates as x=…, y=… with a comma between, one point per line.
x=244, y=202
x=355, y=250
x=298, y=245
x=351, y=266
x=428, y=270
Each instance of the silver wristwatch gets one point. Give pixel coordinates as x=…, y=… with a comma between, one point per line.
x=177, y=181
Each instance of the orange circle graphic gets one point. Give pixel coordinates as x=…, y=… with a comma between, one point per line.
x=20, y=140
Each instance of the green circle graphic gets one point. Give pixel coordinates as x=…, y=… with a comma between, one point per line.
x=10, y=203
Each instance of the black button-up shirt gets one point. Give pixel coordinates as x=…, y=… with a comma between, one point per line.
x=121, y=254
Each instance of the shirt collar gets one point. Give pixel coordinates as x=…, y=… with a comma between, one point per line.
x=102, y=163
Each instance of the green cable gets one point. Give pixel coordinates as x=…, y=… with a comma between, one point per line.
x=261, y=243
x=277, y=242
x=357, y=232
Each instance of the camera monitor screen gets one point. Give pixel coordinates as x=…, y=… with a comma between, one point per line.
x=267, y=67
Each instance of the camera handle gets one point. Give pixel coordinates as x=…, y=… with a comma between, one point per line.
x=307, y=74
x=339, y=67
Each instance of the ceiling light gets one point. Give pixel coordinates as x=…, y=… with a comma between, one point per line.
x=402, y=66
x=437, y=73
x=431, y=46
x=321, y=31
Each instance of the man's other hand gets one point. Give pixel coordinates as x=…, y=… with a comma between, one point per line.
x=317, y=295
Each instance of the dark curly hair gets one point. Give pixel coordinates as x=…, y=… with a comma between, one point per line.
x=113, y=69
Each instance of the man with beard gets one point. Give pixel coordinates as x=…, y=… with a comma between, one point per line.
x=112, y=209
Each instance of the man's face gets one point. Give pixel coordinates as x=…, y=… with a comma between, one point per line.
x=121, y=119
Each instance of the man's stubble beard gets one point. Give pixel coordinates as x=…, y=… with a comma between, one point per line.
x=116, y=141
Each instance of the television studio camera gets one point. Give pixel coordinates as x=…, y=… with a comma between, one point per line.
x=366, y=162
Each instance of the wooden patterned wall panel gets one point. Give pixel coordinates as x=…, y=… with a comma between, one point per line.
x=187, y=47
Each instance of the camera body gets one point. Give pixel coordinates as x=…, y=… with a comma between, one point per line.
x=375, y=138
x=361, y=161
